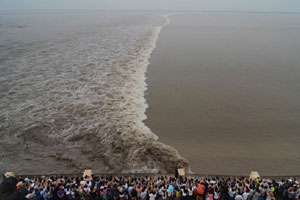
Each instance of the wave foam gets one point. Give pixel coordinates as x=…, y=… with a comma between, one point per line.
x=79, y=103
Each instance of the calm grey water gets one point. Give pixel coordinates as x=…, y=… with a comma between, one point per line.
x=224, y=90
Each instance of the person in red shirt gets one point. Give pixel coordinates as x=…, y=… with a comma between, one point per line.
x=200, y=191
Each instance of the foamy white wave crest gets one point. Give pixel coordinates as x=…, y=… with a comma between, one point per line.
x=72, y=94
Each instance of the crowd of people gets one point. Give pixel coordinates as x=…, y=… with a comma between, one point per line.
x=148, y=188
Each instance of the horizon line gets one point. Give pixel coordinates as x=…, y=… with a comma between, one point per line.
x=149, y=10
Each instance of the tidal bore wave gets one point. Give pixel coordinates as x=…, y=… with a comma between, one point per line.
x=74, y=99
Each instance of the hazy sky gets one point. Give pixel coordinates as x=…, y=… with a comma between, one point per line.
x=202, y=5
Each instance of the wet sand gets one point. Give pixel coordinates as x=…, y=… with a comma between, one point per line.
x=224, y=90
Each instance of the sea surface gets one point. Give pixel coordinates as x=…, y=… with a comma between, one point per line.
x=220, y=96
x=224, y=90
x=72, y=93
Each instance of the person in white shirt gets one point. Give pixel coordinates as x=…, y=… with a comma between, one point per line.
x=144, y=194
x=190, y=192
x=231, y=192
x=216, y=194
x=161, y=191
x=297, y=194
x=152, y=196
x=246, y=194
x=184, y=193
x=238, y=197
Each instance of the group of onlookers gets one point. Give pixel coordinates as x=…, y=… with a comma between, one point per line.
x=148, y=188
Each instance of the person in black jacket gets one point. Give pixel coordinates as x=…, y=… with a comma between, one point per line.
x=8, y=190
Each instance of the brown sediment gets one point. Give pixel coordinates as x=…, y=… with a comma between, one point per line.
x=90, y=116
